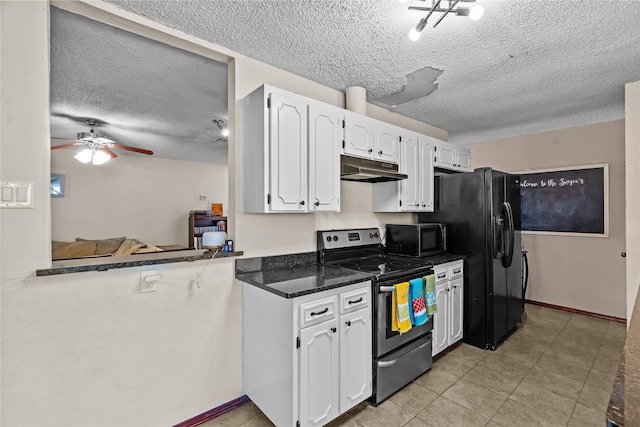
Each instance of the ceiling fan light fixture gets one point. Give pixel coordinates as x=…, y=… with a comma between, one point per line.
x=84, y=156
x=89, y=155
x=100, y=157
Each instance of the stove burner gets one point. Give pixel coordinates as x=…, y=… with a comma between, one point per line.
x=380, y=264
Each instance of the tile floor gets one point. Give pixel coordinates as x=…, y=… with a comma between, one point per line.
x=557, y=369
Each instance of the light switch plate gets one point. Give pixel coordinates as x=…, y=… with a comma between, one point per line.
x=17, y=194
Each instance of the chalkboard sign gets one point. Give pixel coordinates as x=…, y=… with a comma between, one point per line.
x=569, y=200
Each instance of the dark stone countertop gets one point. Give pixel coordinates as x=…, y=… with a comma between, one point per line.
x=624, y=405
x=442, y=258
x=135, y=260
x=295, y=275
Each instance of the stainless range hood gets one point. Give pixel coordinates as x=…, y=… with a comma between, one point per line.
x=368, y=170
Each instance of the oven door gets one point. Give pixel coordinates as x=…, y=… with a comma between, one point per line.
x=388, y=340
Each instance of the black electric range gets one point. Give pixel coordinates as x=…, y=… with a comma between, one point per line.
x=398, y=358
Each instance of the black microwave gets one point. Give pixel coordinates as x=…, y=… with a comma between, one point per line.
x=416, y=240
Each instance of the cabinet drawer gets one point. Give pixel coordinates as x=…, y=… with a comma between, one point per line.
x=317, y=311
x=354, y=300
x=441, y=275
x=455, y=271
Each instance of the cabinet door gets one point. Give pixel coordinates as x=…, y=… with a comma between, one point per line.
x=409, y=164
x=288, y=158
x=456, y=310
x=446, y=155
x=355, y=358
x=358, y=135
x=440, y=319
x=325, y=138
x=425, y=162
x=463, y=158
x=386, y=145
x=319, y=386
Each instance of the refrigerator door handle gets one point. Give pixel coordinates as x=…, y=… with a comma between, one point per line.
x=508, y=259
x=498, y=237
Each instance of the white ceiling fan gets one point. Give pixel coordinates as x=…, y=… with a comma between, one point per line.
x=98, y=148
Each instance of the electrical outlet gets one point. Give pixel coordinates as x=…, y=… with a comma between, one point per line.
x=149, y=280
x=202, y=197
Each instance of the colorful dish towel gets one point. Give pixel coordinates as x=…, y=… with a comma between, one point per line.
x=418, y=307
x=430, y=294
x=400, y=317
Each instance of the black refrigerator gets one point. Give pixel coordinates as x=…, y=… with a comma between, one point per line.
x=482, y=213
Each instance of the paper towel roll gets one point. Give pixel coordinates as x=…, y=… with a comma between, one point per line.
x=356, y=99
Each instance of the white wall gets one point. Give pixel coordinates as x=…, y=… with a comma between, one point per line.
x=138, y=197
x=632, y=155
x=88, y=348
x=587, y=273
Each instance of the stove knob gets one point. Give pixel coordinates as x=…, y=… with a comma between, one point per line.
x=375, y=235
x=335, y=238
x=371, y=235
x=328, y=238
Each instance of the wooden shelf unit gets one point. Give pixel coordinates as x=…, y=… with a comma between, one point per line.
x=197, y=221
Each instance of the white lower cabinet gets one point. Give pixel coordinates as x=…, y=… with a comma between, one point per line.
x=448, y=321
x=319, y=373
x=307, y=360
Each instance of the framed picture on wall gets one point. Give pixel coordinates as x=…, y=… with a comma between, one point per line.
x=568, y=201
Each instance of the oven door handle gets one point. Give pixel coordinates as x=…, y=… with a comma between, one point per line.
x=387, y=288
x=383, y=364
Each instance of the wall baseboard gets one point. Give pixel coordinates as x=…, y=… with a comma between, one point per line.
x=215, y=412
x=577, y=311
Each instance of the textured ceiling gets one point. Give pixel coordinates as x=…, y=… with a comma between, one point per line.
x=526, y=66
x=140, y=92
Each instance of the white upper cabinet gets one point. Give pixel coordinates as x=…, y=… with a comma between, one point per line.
x=358, y=135
x=371, y=139
x=449, y=156
x=386, y=143
x=325, y=139
x=414, y=194
x=426, y=150
x=288, y=160
x=291, y=153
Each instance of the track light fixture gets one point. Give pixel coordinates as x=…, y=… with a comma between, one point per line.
x=445, y=7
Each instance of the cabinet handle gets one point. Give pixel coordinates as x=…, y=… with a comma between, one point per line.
x=317, y=203
x=380, y=152
x=320, y=312
x=348, y=322
x=448, y=289
x=356, y=301
x=370, y=150
x=301, y=202
x=333, y=330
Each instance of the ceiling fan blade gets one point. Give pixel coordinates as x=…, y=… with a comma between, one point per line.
x=65, y=139
x=128, y=148
x=57, y=147
x=109, y=152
